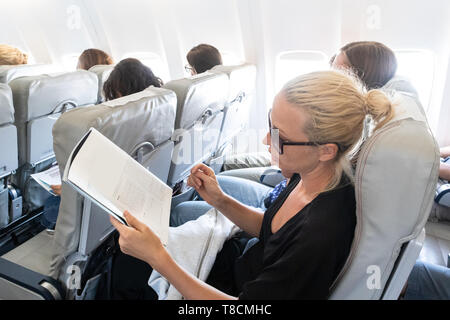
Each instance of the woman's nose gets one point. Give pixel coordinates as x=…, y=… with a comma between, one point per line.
x=266, y=139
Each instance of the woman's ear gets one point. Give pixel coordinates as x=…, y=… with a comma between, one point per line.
x=328, y=152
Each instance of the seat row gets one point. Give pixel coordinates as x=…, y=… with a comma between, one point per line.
x=167, y=129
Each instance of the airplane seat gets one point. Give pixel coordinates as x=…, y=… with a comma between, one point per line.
x=395, y=179
x=10, y=72
x=102, y=71
x=200, y=102
x=142, y=125
x=8, y=155
x=236, y=112
x=38, y=102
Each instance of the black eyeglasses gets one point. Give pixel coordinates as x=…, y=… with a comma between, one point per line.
x=278, y=144
x=188, y=68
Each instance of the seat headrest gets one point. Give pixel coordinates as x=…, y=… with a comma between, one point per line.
x=6, y=105
x=401, y=84
x=146, y=116
x=395, y=179
x=11, y=72
x=41, y=95
x=242, y=78
x=198, y=93
x=102, y=71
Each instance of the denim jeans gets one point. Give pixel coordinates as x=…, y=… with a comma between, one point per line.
x=51, y=210
x=248, y=192
x=428, y=282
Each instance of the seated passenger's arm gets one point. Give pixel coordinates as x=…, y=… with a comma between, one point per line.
x=204, y=181
x=139, y=241
x=445, y=152
x=444, y=171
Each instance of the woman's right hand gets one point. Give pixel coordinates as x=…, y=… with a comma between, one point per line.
x=204, y=181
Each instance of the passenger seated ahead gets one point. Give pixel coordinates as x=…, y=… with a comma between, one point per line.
x=306, y=234
x=12, y=56
x=93, y=57
x=201, y=58
x=129, y=76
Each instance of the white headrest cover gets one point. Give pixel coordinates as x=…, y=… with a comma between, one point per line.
x=394, y=183
x=242, y=78
x=6, y=105
x=102, y=71
x=196, y=94
x=9, y=73
x=37, y=96
x=148, y=115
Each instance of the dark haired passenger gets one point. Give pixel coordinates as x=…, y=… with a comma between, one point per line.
x=93, y=57
x=202, y=58
x=373, y=62
x=129, y=76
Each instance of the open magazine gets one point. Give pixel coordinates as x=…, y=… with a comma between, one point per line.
x=48, y=178
x=107, y=175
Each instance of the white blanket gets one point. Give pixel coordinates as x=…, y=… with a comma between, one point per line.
x=194, y=246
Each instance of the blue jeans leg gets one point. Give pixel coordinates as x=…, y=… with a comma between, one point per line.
x=186, y=211
x=248, y=192
x=428, y=282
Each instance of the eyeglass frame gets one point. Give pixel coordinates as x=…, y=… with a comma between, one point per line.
x=189, y=68
x=281, y=143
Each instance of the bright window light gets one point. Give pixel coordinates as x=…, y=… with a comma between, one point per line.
x=418, y=67
x=69, y=62
x=230, y=59
x=153, y=61
x=291, y=64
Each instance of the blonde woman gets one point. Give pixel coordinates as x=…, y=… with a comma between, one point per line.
x=306, y=234
x=12, y=56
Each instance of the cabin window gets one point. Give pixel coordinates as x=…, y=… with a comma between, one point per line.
x=153, y=61
x=418, y=67
x=291, y=64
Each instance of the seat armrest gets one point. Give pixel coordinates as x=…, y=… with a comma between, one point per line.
x=18, y=282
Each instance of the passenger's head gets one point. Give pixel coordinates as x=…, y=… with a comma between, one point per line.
x=373, y=62
x=129, y=76
x=93, y=57
x=12, y=56
x=326, y=109
x=202, y=58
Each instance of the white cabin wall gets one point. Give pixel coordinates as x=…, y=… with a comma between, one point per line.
x=408, y=24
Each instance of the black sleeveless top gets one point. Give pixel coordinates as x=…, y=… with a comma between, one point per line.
x=303, y=258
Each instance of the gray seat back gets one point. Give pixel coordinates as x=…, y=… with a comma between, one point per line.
x=142, y=125
x=39, y=101
x=8, y=133
x=200, y=103
x=102, y=71
x=8, y=153
x=395, y=179
x=11, y=72
x=236, y=112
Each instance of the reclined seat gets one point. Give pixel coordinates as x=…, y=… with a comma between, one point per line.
x=8, y=155
x=142, y=125
x=9, y=73
x=395, y=179
x=236, y=112
x=102, y=71
x=38, y=102
x=200, y=103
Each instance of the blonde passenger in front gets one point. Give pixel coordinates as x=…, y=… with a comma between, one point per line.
x=316, y=120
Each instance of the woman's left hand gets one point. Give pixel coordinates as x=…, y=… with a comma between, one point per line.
x=138, y=240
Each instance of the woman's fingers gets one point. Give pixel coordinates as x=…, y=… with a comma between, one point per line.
x=133, y=221
x=118, y=225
